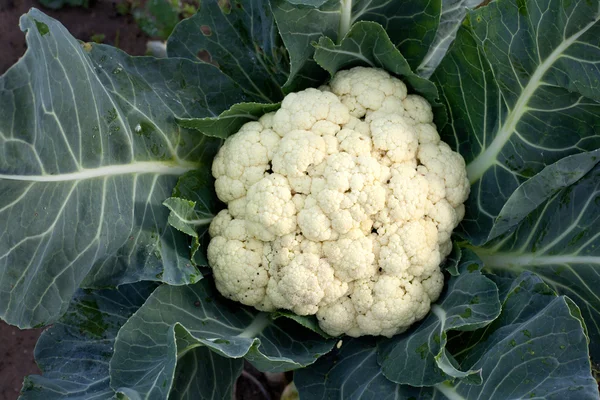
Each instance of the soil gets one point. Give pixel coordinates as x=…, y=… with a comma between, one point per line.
x=100, y=18
x=16, y=358
x=254, y=385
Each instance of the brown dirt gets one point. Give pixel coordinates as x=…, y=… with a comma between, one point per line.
x=100, y=18
x=16, y=358
x=254, y=385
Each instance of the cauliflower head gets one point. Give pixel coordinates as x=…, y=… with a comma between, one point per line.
x=340, y=204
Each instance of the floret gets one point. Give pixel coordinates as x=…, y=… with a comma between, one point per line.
x=340, y=204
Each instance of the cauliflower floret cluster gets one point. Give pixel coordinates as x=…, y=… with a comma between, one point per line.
x=340, y=204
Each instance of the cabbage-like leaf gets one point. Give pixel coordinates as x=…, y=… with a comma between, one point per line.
x=229, y=121
x=307, y=321
x=452, y=16
x=193, y=205
x=184, y=216
x=74, y=353
x=418, y=356
x=521, y=83
x=176, y=319
x=411, y=25
x=241, y=39
x=90, y=150
x=350, y=373
x=299, y=28
x=538, y=189
x=201, y=374
x=560, y=241
x=368, y=44
x=536, y=348
x=450, y=264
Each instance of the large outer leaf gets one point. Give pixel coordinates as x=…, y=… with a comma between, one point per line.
x=418, y=357
x=538, y=189
x=176, y=319
x=299, y=27
x=560, y=241
x=535, y=349
x=74, y=353
x=521, y=83
x=89, y=152
x=202, y=374
x=350, y=373
x=241, y=38
x=410, y=24
x=453, y=14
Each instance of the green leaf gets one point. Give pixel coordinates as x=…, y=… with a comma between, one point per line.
x=559, y=241
x=176, y=319
x=241, y=39
x=202, y=374
x=368, y=44
x=410, y=24
x=184, y=217
x=157, y=18
x=73, y=354
x=193, y=205
x=90, y=151
x=229, y=121
x=535, y=349
x=352, y=373
x=299, y=28
x=452, y=16
x=522, y=86
x=307, y=321
x=542, y=186
x=418, y=357
x=450, y=264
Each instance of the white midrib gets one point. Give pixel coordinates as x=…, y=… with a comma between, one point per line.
x=196, y=222
x=487, y=158
x=256, y=327
x=345, y=18
x=449, y=391
x=440, y=313
x=520, y=261
x=142, y=167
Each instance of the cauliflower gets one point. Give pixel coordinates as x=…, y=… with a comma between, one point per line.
x=340, y=204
